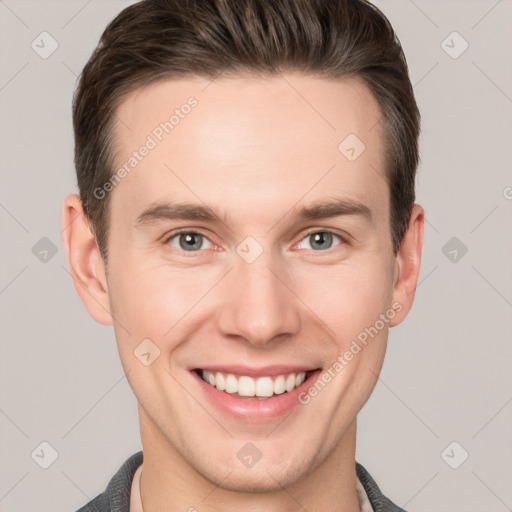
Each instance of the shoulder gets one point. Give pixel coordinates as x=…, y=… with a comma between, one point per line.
x=116, y=497
x=378, y=501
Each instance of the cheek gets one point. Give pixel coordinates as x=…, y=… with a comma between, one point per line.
x=347, y=298
x=152, y=305
x=151, y=300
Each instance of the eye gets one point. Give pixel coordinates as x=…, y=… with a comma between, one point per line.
x=188, y=241
x=320, y=240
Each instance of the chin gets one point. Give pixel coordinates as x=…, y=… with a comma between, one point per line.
x=264, y=480
x=262, y=477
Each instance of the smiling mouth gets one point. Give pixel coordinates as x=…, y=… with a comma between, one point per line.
x=260, y=388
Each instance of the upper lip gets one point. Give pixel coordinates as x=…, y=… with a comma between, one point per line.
x=252, y=371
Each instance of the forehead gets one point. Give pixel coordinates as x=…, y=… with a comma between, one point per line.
x=273, y=140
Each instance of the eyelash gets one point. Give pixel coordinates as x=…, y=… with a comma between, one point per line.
x=167, y=239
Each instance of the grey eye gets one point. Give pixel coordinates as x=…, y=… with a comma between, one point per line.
x=320, y=240
x=189, y=241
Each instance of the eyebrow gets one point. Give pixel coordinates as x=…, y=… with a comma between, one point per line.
x=190, y=211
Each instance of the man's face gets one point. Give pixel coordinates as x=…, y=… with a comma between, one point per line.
x=262, y=291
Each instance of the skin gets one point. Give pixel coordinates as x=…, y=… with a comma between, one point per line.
x=255, y=152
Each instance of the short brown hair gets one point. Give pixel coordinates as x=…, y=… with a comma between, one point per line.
x=155, y=40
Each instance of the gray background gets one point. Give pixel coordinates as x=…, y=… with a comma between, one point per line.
x=447, y=374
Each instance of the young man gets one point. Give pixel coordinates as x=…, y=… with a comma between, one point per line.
x=246, y=222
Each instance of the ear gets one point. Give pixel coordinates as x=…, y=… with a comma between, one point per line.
x=407, y=265
x=85, y=262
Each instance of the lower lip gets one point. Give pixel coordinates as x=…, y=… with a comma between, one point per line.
x=253, y=409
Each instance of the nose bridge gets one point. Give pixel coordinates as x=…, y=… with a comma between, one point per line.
x=258, y=306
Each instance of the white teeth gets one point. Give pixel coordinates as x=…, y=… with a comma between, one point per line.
x=279, y=385
x=220, y=382
x=231, y=383
x=290, y=382
x=264, y=386
x=247, y=386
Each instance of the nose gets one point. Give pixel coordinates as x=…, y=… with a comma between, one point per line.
x=259, y=305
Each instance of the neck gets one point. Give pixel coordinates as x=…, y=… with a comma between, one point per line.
x=169, y=482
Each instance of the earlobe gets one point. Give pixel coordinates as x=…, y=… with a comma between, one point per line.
x=85, y=262
x=407, y=265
